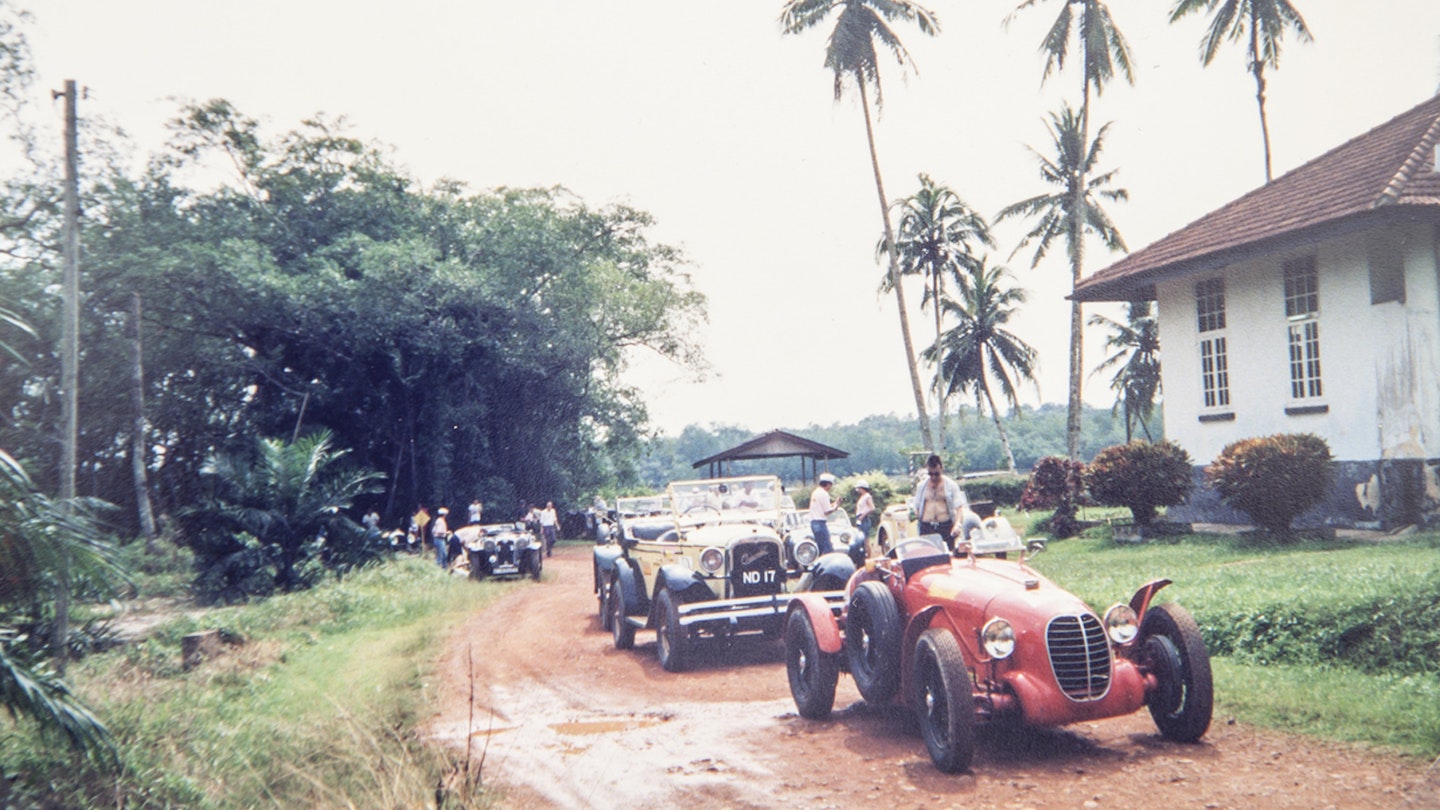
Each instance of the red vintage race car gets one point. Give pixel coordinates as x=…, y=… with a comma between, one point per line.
x=979, y=637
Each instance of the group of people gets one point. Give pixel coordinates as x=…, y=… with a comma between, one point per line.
x=541, y=521
x=939, y=503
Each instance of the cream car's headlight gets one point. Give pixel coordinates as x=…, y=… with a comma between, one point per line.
x=999, y=638
x=1121, y=624
x=806, y=552
x=712, y=560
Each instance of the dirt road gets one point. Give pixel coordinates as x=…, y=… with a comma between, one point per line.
x=563, y=720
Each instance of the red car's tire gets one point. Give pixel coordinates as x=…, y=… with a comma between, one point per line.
x=1173, y=649
x=944, y=700
x=872, y=641
x=813, y=673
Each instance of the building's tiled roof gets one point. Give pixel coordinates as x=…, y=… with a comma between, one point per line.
x=1391, y=165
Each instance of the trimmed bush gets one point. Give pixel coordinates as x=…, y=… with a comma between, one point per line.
x=1140, y=476
x=1057, y=483
x=1273, y=479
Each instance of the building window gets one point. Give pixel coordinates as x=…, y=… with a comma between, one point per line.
x=1302, y=310
x=1385, y=250
x=1210, y=304
x=1210, y=321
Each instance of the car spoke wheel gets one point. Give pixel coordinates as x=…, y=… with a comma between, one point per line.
x=537, y=564
x=872, y=641
x=944, y=700
x=813, y=673
x=1173, y=650
x=621, y=629
x=671, y=641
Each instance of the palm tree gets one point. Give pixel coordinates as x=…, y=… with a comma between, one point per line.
x=937, y=236
x=1264, y=21
x=271, y=508
x=39, y=538
x=979, y=349
x=1137, y=355
x=1069, y=213
x=851, y=54
x=1102, y=50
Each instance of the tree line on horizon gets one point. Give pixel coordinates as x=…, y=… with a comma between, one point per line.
x=883, y=443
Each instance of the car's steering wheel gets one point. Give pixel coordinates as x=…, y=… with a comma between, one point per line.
x=696, y=507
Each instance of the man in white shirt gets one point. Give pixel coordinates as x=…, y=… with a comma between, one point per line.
x=820, y=508
x=939, y=502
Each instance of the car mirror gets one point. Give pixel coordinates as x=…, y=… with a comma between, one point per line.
x=1034, y=547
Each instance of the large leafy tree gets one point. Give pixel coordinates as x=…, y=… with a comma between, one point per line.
x=937, y=237
x=463, y=343
x=980, y=353
x=1261, y=24
x=852, y=56
x=1102, y=52
x=1135, y=347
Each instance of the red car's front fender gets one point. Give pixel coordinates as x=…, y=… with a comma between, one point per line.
x=1043, y=704
x=827, y=630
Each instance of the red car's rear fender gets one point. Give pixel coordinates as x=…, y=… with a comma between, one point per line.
x=827, y=630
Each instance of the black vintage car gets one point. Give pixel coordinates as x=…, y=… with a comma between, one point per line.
x=501, y=550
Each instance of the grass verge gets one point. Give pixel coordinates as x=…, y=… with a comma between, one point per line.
x=315, y=703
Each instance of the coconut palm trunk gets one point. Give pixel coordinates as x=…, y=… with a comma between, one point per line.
x=999, y=426
x=919, y=391
x=1077, y=264
x=1257, y=66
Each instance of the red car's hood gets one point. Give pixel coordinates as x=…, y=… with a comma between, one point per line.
x=999, y=587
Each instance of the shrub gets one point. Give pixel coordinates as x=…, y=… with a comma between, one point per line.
x=1002, y=490
x=1059, y=483
x=1141, y=476
x=1050, y=480
x=1273, y=479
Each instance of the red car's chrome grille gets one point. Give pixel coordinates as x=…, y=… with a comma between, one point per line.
x=1079, y=656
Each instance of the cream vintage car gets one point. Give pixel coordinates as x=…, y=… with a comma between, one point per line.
x=719, y=572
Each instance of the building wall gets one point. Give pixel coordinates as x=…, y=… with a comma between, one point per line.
x=1380, y=366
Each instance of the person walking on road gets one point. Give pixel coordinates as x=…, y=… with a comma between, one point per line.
x=549, y=523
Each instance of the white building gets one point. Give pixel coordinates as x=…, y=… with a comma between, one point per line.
x=1311, y=305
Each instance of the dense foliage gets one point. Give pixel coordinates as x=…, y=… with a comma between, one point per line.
x=460, y=343
x=1056, y=483
x=1273, y=479
x=277, y=519
x=1142, y=476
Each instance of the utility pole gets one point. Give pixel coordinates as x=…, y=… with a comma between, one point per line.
x=69, y=363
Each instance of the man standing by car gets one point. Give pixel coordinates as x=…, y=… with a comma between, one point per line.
x=820, y=508
x=939, y=502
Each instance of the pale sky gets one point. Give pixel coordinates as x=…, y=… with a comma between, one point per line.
x=704, y=115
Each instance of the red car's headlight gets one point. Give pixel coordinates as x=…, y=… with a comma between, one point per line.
x=1121, y=624
x=998, y=637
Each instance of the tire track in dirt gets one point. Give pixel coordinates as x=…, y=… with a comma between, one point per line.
x=563, y=720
